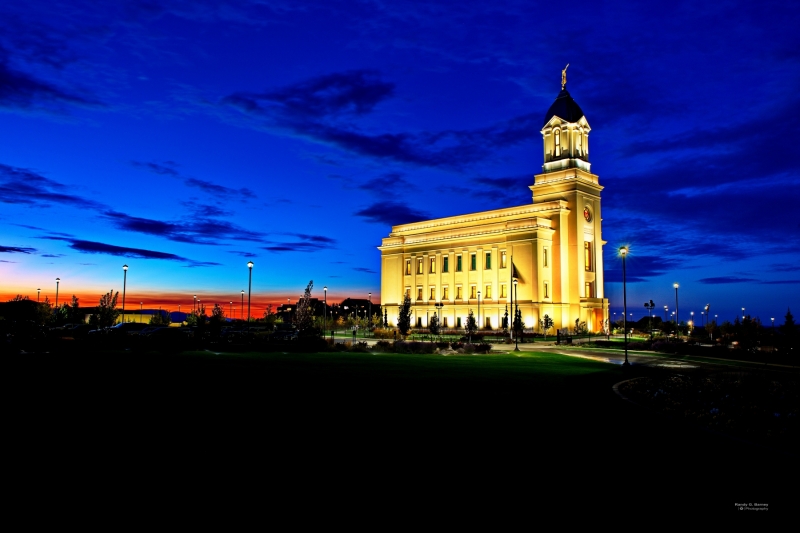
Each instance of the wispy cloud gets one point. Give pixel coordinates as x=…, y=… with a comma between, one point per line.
x=93, y=247
x=207, y=231
x=167, y=168
x=307, y=243
x=16, y=250
x=27, y=187
x=724, y=280
x=391, y=213
x=323, y=109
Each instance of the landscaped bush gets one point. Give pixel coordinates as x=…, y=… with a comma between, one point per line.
x=384, y=346
x=638, y=345
x=443, y=344
x=381, y=333
x=456, y=345
x=414, y=347
x=483, y=347
x=360, y=347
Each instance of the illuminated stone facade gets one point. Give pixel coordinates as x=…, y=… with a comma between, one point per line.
x=555, y=245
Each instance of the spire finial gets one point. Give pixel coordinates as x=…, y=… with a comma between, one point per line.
x=564, y=77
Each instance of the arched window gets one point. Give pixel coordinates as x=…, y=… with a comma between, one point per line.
x=580, y=143
x=557, y=142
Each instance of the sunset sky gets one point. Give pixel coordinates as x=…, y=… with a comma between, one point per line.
x=187, y=138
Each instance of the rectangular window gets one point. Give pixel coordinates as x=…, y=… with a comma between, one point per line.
x=488, y=260
x=419, y=321
x=419, y=266
x=488, y=294
x=459, y=295
x=473, y=291
x=446, y=264
x=458, y=322
x=444, y=321
x=408, y=292
x=546, y=290
x=503, y=291
x=544, y=257
x=488, y=323
x=419, y=293
x=445, y=294
x=433, y=265
x=408, y=267
x=587, y=256
x=589, y=289
x=502, y=259
x=433, y=293
x=458, y=263
x=473, y=262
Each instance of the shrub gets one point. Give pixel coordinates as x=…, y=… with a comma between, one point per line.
x=457, y=346
x=384, y=346
x=483, y=347
x=360, y=347
x=383, y=333
x=442, y=344
x=415, y=347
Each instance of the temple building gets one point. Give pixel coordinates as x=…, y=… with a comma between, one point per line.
x=552, y=247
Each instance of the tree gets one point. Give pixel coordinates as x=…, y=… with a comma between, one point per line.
x=217, y=320
x=270, y=318
x=505, y=320
x=471, y=326
x=385, y=318
x=107, y=312
x=433, y=325
x=580, y=327
x=304, y=317
x=160, y=319
x=404, y=316
x=519, y=325
x=75, y=314
x=546, y=324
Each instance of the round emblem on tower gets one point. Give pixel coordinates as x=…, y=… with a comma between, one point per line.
x=587, y=214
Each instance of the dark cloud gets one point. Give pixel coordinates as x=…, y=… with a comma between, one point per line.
x=202, y=231
x=24, y=186
x=20, y=90
x=391, y=213
x=308, y=243
x=355, y=92
x=724, y=280
x=638, y=268
x=795, y=282
x=4, y=261
x=16, y=250
x=204, y=210
x=52, y=255
x=363, y=269
x=168, y=169
x=323, y=109
x=783, y=267
x=92, y=247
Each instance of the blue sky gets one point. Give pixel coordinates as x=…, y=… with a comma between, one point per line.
x=186, y=138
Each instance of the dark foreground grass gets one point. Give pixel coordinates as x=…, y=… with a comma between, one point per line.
x=427, y=422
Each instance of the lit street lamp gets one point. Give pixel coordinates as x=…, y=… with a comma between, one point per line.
x=230, y=309
x=691, y=321
x=124, y=283
x=369, y=322
x=58, y=280
x=241, y=309
x=742, y=314
x=650, y=306
x=249, y=288
x=623, y=251
x=677, y=320
x=325, y=312
x=194, y=303
x=38, y=292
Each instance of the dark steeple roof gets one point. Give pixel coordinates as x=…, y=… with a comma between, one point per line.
x=565, y=108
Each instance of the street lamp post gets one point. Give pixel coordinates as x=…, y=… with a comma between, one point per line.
x=516, y=316
x=742, y=314
x=665, y=312
x=691, y=321
x=369, y=321
x=650, y=306
x=230, y=309
x=58, y=280
x=140, y=312
x=677, y=320
x=249, y=288
x=325, y=312
x=241, y=308
x=38, y=293
x=124, y=284
x=194, y=302
x=623, y=251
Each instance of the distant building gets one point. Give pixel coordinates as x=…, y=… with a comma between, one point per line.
x=553, y=246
